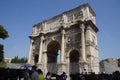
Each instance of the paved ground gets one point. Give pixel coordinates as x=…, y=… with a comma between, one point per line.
x=13, y=65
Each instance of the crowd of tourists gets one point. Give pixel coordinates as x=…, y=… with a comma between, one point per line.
x=37, y=74
x=27, y=74
x=93, y=76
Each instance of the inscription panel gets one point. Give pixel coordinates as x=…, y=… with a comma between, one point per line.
x=54, y=23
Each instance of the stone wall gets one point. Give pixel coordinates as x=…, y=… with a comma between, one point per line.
x=108, y=67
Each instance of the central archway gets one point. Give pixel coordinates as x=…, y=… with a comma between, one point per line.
x=52, y=56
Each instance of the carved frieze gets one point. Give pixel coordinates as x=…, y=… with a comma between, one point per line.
x=90, y=43
x=36, y=46
x=72, y=39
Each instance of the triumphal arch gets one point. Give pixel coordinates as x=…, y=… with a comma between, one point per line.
x=72, y=35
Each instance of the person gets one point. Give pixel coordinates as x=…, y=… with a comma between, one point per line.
x=116, y=75
x=26, y=74
x=64, y=76
x=40, y=75
x=34, y=75
x=82, y=77
x=48, y=76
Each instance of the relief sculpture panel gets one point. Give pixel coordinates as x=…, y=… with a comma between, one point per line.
x=36, y=46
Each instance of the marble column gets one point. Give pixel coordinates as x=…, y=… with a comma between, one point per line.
x=62, y=46
x=30, y=52
x=40, y=49
x=45, y=63
x=82, y=27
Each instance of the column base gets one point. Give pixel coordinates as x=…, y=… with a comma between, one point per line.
x=39, y=66
x=62, y=68
x=83, y=67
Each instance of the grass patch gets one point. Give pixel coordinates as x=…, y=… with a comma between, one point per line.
x=2, y=64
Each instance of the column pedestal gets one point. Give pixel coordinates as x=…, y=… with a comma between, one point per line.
x=62, y=68
x=83, y=67
x=40, y=66
x=45, y=63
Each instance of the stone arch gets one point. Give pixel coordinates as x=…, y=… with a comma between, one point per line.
x=68, y=53
x=53, y=39
x=63, y=32
x=52, y=55
x=74, y=57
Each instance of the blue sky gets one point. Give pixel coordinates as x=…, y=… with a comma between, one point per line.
x=19, y=16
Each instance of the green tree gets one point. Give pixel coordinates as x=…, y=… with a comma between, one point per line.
x=1, y=52
x=3, y=35
x=118, y=62
x=3, y=32
x=23, y=60
x=16, y=59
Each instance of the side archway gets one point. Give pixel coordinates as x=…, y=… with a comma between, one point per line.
x=74, y=62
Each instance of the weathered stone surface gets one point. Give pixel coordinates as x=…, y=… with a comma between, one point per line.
x=73, y=34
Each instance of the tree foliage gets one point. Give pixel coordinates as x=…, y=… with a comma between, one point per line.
x=3, y=35
x=118, y=62
x=16, y=59
x=1, y=52
x=3, y=32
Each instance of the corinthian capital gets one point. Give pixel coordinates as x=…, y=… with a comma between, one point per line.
x=42, y=38
x=82, y=27
x=62, y=31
